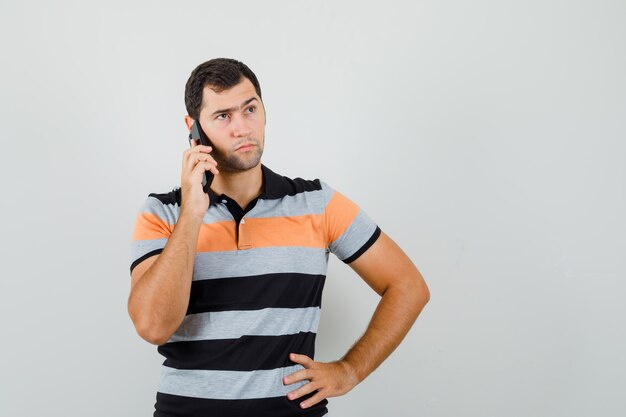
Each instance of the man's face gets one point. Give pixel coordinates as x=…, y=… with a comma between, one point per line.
x=234, y=121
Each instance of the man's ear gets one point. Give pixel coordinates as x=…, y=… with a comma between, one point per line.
x=264, y=112
x=189, y=122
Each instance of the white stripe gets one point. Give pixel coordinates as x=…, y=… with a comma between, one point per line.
x=228, y=385
x=141, y=247
x=258, y=261
x=234, y=324
x=354, y=237
x=301, y=204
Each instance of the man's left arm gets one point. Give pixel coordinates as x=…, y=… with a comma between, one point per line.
x=404, y=293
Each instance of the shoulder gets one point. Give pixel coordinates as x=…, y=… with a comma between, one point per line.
x=279, y=186
x=165, y=206
x=172, y=197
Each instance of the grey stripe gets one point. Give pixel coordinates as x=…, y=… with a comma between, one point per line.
x=256, y=261
x=327, y=192
x=218, y=213
x=166, y=212
x=307, y=202
x=354, y=237
x=227, y=385
x=170, y=213
x=234, y=324
x=139, y=248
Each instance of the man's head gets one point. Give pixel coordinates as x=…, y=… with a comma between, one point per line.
x=224, y=96
x=220, y=74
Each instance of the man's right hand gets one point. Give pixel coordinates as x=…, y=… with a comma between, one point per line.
x=196, y=161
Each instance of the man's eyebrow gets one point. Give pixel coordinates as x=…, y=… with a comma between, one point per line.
x=233, y=108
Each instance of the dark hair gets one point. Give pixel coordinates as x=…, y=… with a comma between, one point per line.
x=219, y=73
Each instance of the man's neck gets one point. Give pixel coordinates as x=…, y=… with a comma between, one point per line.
x=243, y=187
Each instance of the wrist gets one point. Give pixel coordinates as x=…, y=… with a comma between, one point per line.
x=351, y=372
x=191, y=217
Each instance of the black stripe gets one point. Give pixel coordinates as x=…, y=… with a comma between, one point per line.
x=247, y=353
x=168, y=405
x=144, y=257
x=278, y=186
x=173, y=197
x=365, y=247
x=285, y=290
x=275, y=186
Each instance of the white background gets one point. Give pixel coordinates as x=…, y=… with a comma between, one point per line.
x=485, y=137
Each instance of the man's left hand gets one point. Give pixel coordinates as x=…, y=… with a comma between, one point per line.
x=329, y=379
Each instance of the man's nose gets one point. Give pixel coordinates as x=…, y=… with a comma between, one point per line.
x=240, y=127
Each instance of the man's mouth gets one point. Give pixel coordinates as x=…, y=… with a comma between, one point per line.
x=245, y=146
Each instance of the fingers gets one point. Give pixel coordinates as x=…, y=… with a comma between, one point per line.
x=201, y=167
x=302, y=375
x=303, y=360
x=199, y=155
x=196, y=161
x=329, y=379
x=196, y=149
x=313, y=400
x=302, y=391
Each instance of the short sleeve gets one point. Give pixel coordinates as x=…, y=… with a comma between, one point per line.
x=349, y=230
x=151, y=231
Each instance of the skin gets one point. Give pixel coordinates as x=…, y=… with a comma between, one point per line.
x=240, y=170
x=160, y=285
x=389, y=272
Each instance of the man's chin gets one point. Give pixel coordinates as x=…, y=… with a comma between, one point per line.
x=238, y=164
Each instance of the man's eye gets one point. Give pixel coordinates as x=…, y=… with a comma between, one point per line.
x=219, y=117
x=253, y=108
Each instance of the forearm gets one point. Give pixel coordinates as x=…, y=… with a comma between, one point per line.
x=396, y=312
x=159, y=300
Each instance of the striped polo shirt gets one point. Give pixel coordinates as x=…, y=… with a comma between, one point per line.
x=255, y=296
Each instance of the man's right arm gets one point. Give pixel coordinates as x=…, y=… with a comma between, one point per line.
x=161, y=284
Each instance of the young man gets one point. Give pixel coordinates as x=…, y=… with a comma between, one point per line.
x=228, y=281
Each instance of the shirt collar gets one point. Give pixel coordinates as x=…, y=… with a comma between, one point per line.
x=274, y=186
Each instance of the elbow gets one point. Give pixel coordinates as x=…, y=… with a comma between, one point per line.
x=411, y=287
x=419, y=291
x=152, y=335
x=421, y=287
x=424, y=293
x=148, y=330
x=412, y=292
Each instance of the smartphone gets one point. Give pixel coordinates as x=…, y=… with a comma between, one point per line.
x=198, y=134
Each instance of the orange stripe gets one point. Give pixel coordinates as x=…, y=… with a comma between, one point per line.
x=149, y=226
x=216, y=237
x=306, y=230
x=340, y=213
